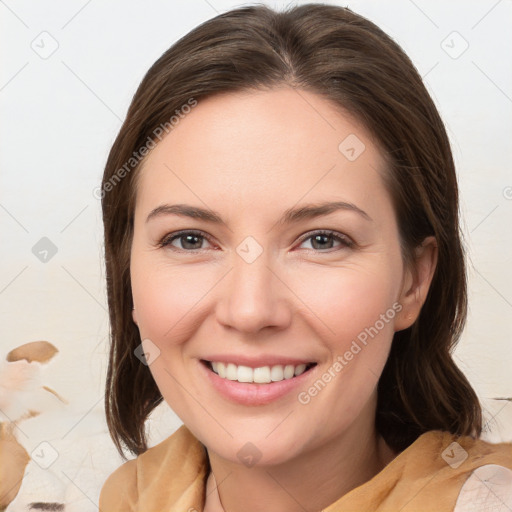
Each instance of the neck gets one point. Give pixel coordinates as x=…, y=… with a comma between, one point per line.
x=310, y=482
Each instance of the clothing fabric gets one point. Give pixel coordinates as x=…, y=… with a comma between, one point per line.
x=434, y=474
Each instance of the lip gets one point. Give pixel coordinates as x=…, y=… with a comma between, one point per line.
x=252, y=394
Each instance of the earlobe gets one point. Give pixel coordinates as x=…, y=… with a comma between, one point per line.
x=416, y=283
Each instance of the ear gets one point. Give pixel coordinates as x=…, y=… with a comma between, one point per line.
x=416, y=283
x=134, y=317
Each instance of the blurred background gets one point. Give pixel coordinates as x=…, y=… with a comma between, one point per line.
x=67, y=77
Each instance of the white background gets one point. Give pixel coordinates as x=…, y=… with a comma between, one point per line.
x=60, y=115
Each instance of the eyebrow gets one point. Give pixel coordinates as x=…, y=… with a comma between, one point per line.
x=308, y=211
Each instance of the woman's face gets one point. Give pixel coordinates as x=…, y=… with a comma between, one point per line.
x=246, y=281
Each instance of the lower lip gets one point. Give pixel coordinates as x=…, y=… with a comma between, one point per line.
x=251, y=393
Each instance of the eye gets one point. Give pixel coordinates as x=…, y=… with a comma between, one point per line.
x=322, y=240
x=189, y=240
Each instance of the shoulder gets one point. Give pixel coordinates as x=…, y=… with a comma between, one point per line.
x=488, y=477
x=488, y=487
x=476, y=473
x=139, y=483
x=455, y=451
x=120, y=489
x=119, y=492
x=467, y=452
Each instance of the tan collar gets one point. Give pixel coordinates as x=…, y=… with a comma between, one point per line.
x=172, y=475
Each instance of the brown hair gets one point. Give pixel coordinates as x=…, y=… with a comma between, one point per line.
x=348, y=60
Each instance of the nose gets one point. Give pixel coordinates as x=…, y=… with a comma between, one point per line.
x=254, y=297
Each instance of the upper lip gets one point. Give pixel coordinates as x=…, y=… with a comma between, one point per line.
x=256, y=362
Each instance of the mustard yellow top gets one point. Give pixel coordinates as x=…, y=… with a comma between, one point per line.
x=426, y=477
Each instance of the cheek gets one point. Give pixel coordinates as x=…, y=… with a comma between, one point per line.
x=346, y=301
x=343, y=301
x=164, y=295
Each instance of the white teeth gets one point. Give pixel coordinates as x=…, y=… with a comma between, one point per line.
x=231, y=372
x=301, y=368
x=289, y=371
x=276, y=373
x=245, y=374
x=260, y=375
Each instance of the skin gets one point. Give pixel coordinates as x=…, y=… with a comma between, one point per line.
x=250, y=156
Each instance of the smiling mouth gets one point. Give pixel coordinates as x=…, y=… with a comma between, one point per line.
x=260, y=375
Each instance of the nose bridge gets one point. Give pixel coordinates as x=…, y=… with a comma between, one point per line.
x=253, y=297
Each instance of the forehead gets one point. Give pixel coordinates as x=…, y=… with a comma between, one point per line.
x=263, y=147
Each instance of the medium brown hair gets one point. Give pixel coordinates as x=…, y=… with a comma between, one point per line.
x=348, y=60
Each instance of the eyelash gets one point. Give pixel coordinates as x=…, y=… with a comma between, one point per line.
x=168, y=239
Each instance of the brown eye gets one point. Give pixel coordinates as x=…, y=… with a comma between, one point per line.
x=188, y=241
